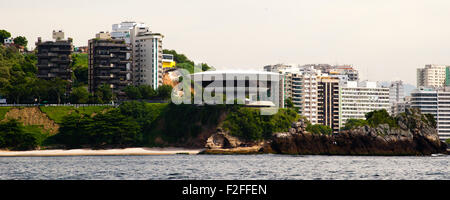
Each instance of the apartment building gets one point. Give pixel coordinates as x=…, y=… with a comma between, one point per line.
x=109, y=63
x=344, y=72
x=396, y=97
x=147, y=55
x=314, y=89
x=357, y=99
x=436, y=102
x=328, y=102
x=432, y=76
x=54, y=57
x=300, y=84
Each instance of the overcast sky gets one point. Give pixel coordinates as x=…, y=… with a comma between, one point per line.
x=384, y=39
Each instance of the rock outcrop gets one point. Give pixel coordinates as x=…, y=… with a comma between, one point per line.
x=223, y=143
x=222, y=140
x=414, y=136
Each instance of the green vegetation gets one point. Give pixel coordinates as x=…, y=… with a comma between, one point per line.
x=447, y=141
x=80, y=68
x=15, y=136
x=79, y=95
x=3, y=111
x=319, y=129
x=103, y=94
x=184, y=63
x=179, y=122
x=3, y=35
x=58, y=113
x=18, y=81
x=288, y=102
x=101, y=130
x=21, y=40
x=147, y=92
x=354, y=123
x=124, y=126
x=373, y=119
x=378, y=117
x=248, y=124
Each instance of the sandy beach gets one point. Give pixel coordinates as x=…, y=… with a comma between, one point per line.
x=107, y=152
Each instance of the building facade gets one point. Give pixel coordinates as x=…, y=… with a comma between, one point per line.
x=300, y=85
x=397, y=97
x=54, y=59
x=147, y=55
x=249, y=86
x=328, y=102
x=109, y=63
x=432, y=76
x=314, y=89
x=437, y=103
x=357, y=99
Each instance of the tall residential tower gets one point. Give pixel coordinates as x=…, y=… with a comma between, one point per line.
x=109, y=64
x=432, y=76
x=147, y=52
x=54, y=57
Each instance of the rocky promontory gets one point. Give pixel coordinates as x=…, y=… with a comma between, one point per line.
x=413, y=136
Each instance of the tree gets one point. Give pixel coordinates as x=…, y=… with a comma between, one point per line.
x=80, y=68
x=184, y=63
x=104, y=92
x=79, y=95
x=58, y=88
x=19, y=88
x=147, y=91
x=3, y=35
x=179, y=58
x=377, y=117
x=40, y=89
x=354, y=123
x=21, y=40
x=110, y=128
x=288, y=102
x=132, y=92
x=165, y=92
x=14, y=135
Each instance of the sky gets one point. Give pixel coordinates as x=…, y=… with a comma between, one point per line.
x=385, y=39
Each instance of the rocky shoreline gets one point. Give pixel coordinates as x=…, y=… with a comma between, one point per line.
x=413, y=137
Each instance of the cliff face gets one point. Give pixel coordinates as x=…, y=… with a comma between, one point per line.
x=414, y=136
x=33, y=116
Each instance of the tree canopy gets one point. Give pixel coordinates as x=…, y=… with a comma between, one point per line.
x=3, y=35
x=21, y=40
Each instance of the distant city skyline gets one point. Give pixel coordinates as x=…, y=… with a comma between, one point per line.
x=384, y=40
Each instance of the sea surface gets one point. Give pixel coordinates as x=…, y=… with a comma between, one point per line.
x=234, y=167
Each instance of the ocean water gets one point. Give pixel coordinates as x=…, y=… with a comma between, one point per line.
x=220, y=167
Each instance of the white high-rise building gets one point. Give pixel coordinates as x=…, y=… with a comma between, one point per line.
x=300, y=84
x=436, y=102
x=357, y=99
x=397, y=97
x=431, y=76
x=147, y=52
